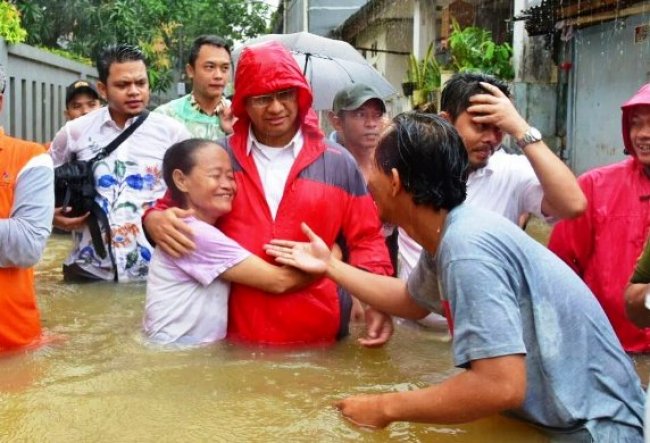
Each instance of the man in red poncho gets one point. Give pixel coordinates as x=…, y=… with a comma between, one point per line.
x=603, y=244
x=286, y=172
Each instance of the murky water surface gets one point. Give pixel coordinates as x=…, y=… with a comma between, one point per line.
x=102, y=383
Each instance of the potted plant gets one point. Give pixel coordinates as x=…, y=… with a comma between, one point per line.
x=423, y=77
x=472, y=49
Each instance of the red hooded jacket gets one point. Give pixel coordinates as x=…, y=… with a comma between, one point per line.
x=324, y=189
x=604, y=243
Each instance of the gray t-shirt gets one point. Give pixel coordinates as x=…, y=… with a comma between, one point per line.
x=510, y=295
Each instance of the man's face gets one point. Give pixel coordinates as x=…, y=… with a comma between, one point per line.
x=362, y=127
x=81, y=104
x=274, y=116
x=210, y=73
x=640, y=132
x=126, y=89
x=480, y=140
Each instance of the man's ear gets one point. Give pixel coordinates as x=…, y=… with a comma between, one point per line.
x=395, y=182
x=2, y=101
x=101, y=87
x=445, y=115
x=334, y=120
x=189, y=71
x=180, y=180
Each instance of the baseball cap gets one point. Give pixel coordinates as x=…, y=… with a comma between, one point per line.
x=80, y=86
x=353, y=96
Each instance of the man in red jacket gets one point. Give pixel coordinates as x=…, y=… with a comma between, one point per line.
x=604, y=243
x=286, y=172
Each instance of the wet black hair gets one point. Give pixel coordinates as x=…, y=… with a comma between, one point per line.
x=457, y=91
x=119, y=53
x=213, y=40
x=181, y=156
x=430, y=157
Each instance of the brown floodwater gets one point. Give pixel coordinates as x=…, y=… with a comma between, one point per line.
x=102, y=383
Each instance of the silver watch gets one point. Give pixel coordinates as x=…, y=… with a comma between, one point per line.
x=531, y=136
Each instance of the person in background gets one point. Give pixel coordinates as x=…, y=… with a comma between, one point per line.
x=81, y=97
x=603, y=244
x=205, y=111
x=128, y=180
x=358, y=119
x=530, y=338
x=26, y=209
x=285, y=169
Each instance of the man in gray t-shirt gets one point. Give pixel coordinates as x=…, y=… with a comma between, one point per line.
x=532, y=339
x=508, y=295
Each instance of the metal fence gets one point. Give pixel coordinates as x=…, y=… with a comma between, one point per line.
x=34, y=98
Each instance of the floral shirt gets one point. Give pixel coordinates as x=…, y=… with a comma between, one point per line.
x=187, y=111
x=128, y=181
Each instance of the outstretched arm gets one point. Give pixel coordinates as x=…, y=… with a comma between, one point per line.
x=255, y=272
x=386, y=294
x=563, y=198
x=489, y=386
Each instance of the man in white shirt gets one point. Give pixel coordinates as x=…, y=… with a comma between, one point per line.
x=537, y=182
x=128, y=180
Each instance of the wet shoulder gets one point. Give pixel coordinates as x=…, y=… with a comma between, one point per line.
x=336, y=167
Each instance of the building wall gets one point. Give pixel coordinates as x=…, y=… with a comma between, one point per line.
x=609, y=64
x=318, y=16
x=34, y=98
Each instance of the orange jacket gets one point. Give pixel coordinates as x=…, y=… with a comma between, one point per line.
x=19, y=316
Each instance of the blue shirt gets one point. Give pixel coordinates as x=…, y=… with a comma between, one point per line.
x=510, y=295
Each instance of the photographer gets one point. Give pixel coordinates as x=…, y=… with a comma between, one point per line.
x=126, y=181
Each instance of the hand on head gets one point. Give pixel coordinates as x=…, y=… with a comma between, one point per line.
x=495, y=108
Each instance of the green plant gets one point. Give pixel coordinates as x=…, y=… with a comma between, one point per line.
x=424, y=73
x=67, y=54
x=472, y=49
x=10, y=27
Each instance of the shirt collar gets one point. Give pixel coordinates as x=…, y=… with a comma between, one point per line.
x=295, y=143
x=107, y=120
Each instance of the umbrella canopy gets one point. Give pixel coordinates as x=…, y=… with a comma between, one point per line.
x=329, y=65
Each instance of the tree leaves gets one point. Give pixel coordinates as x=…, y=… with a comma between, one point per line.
x=164, y=29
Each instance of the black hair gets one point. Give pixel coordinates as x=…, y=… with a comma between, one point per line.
x=430, y=157
x=201, y=40
x=118, y=53
x=181, y=156
x=454, y=99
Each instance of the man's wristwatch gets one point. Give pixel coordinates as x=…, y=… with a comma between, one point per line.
x=531, y=136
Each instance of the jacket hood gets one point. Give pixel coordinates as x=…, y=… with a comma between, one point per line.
x=266, y=67
x=641, y=97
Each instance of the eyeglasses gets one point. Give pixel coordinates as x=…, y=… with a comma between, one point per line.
x=262, y=101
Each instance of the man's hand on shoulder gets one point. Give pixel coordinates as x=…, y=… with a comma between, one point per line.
x=170, y=232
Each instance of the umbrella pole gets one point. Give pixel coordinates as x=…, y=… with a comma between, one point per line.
x=304, y=68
